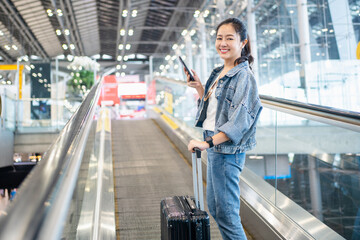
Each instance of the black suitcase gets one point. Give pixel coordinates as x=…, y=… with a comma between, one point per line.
x=183, y=217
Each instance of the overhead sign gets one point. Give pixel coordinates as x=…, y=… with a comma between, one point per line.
x=128, y=79
x=15, y=67
x=358, y=51
x=132, y=89
x=169, y=100
x=109, y=91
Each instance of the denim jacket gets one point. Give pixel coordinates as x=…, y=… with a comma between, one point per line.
x=238, y=108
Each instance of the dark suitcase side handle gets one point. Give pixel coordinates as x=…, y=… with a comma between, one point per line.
x=191, y=203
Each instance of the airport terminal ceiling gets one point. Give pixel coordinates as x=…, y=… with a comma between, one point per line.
x=105, y=29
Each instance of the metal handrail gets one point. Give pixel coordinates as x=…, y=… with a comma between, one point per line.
x=40, y=208
x=328, y=115
x=315, y=107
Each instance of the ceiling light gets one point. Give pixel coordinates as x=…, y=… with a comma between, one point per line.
x=206, y=13
x=192, y=32
x=121, y=46
x=14, y=47
x=128, y=46
x=272, y=31
x=167, y=58
x=122, y=74
x=212, y=32
x=59, y=12
x=49, y=12
x=64, y=46
x=7, y=47
x=131, y=32
x=184, y=32
x=197, y=13
x=67, y=32
x=175, y=46
x=118, y=67
x=126, y=58
x=124, y=66
x=122, y=32
x=119, y=58
x=72, y=46
x=58, y=32
x=134, y=13
x=1, y=33
x=124, y=13
x=70, y=57
x=117, y=74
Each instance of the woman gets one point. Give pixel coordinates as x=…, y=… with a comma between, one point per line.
x=228, y=112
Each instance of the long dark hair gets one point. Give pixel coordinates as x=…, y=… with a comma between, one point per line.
x=241, y=29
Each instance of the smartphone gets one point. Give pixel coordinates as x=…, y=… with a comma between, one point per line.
x=187, y=69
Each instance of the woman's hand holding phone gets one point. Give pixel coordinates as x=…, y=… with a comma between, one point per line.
x=196, y=83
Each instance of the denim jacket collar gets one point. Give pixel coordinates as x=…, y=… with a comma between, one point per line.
x=232, y=71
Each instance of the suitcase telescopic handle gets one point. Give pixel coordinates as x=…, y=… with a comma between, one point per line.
x=198, y=152
x=197, y=178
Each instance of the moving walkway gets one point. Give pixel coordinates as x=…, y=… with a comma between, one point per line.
x=81, y=191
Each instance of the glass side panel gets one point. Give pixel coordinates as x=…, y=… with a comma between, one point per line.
x=322, y=164
x=8, y=112
x=72, y=222
x=262, y=159
x=44, y=115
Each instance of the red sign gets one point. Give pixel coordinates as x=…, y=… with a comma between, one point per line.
x=109, y=91
x=152, y=92
x=139, y=96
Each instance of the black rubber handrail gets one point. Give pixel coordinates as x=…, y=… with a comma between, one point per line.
x=314, y=107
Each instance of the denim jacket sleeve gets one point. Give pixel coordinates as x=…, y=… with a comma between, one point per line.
x=244, y=110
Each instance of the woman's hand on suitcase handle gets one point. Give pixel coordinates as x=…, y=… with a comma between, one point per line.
x=202, y=145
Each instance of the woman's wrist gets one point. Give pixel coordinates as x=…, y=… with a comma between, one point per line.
x=200, y=90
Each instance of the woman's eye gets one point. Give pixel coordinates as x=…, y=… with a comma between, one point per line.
x=218, y=38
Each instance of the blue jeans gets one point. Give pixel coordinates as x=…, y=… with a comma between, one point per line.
x=223, y=191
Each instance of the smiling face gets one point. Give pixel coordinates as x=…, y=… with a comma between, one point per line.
x=228, y=43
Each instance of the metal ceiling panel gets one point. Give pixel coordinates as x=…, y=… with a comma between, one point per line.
x=95, y=25
x=39, y=24
x=86, y=17
x=7, y=41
